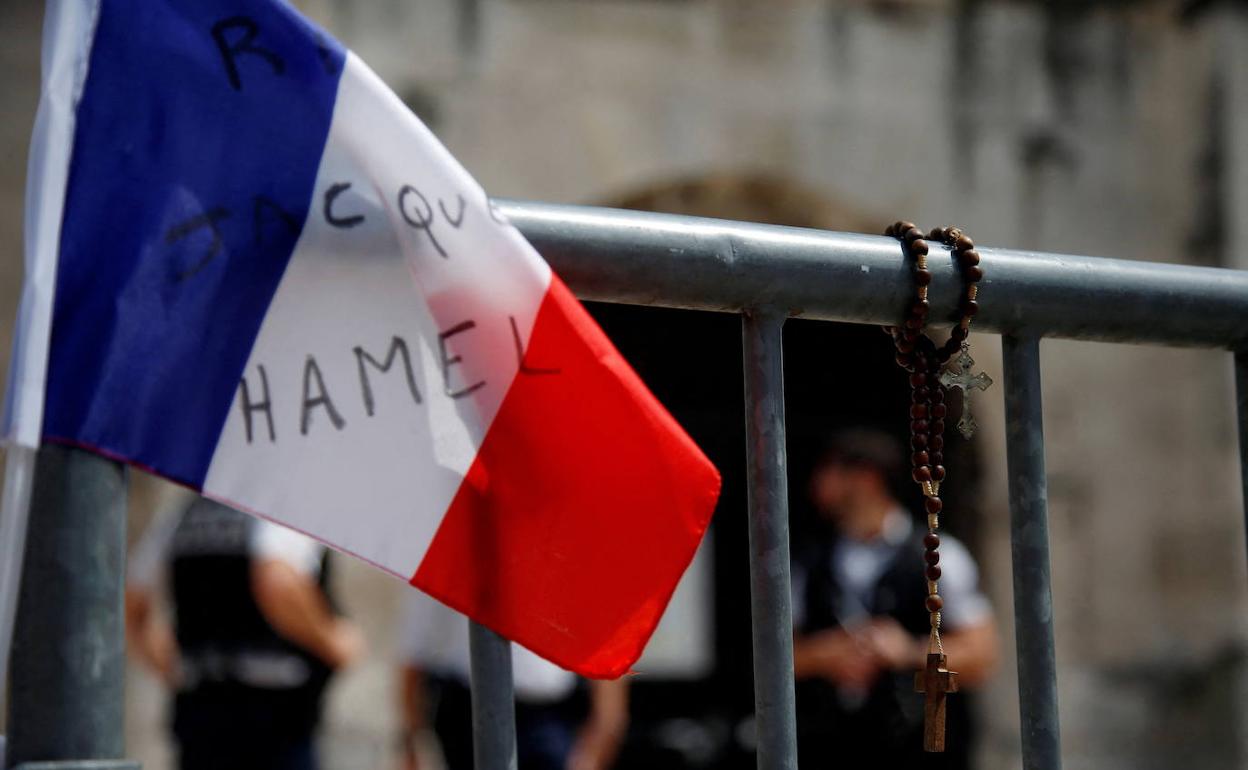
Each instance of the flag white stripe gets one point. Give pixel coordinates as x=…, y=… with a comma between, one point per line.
x=351, y=288
x=69, y=26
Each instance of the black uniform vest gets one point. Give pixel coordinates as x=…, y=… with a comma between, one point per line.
x=240, y=680
x=883, y=728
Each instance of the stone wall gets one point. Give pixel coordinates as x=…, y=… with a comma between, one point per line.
x=1117, y=132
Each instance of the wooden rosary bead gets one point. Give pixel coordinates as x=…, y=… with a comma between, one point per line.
x=974, y=273
x=918, y=458
x=918, y=426
x=970, y=307
x=918, y=379
x=918, y=442
x=958, y=334
x=932, y=504
x=937, y=443
x=919, y=248
x=921, y=474
x=938, y=411
x=931, y=541
x=934, y=603
x=918, y=411
x=923, y=277
x=904, y=345
x=968, y=258
x=935, y=458
x=938, y=395
x=937, y=426
x=932, y=572
x=912, y=234
x=937, y=473
x=937, y=234
x=932, y=557
x=920, y=308
x=905, y=361
x=963, y=243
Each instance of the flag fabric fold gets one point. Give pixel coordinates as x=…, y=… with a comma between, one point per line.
x=274, y=285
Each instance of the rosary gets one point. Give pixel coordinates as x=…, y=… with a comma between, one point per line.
x=920, y=356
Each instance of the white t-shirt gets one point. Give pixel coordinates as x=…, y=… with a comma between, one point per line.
x=435, y=638
x=859, y=564
x=150, y=557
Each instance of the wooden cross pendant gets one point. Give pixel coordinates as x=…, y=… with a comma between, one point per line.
x=967, y=382
x=935, y=682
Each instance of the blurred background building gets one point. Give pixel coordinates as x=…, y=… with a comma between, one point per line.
x=1116, y=128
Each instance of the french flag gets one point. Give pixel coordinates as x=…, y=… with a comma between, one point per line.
x=252, y=270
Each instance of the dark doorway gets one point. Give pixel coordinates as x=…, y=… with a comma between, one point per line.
x=836, y=375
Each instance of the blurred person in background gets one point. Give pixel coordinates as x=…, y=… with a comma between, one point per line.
x=861, y=629
x=254, y=637
x=560, y=723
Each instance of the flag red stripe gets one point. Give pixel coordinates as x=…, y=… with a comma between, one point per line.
x=583, y=507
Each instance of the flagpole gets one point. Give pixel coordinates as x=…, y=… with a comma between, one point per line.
x=493, y=700
x=19, y=475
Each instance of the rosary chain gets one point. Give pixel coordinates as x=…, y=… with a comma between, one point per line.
x=919, y=355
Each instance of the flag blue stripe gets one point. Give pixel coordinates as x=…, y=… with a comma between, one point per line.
x=196, y=149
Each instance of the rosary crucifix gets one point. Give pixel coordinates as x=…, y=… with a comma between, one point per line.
x=966, y=382
x=934, y=682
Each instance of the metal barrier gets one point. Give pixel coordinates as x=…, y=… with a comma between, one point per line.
x=764, y=273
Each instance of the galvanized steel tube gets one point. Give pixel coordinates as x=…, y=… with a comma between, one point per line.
x=710, y=264
x=68, y=658
x=493, y=701
x=1029, y=546
x=1241, y=401
x=770, y=589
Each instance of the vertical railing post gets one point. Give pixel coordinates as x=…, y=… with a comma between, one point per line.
x=68, y=658
x=493, y=701
x=1029, y=538
x=1241, y=413
x=19, y=478
x=770, y=589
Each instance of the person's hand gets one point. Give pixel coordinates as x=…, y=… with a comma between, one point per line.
x=347, y=644
x=843, y=658
x=892, y=645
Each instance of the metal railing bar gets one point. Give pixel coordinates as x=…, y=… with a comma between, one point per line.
x=770, y=588
x=68, y=657
x=1029, y=547
x=1241, y=413
x=493, y=701
x=709, y=264
x=19, y=478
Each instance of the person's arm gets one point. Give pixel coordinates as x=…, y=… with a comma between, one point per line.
x=413, y=714
x=835, y=655
x=603, y=732
x=295, y=607
x=969, y=635
x=972, y=649
x=148, y=634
